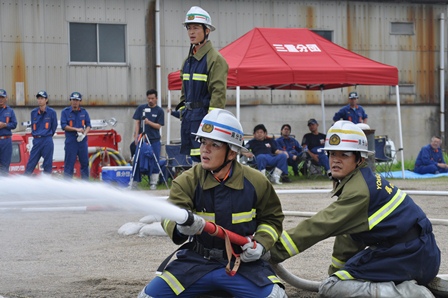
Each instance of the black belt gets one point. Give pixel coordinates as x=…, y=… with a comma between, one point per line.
x=4, y=137
x=412, y=234
x=193, y=105
x=213, y=253
x=37, y=137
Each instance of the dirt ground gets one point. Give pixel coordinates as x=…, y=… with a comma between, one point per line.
x=80, y=254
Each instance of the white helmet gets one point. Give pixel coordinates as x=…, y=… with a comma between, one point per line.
x=199, y=16
x=346, y=136
x=221, y=125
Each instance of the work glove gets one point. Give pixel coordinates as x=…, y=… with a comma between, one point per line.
x=195, y=228
x=252, y=251
x=80, y=137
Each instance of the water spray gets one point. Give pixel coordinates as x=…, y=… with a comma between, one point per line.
x=44, y=193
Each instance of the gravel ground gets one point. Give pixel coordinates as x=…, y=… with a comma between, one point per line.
x=81, y=254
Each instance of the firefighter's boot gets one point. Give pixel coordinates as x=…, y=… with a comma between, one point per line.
x=276, y=175
x=153, y=179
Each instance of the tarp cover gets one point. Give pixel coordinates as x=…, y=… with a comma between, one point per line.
x=295, y=59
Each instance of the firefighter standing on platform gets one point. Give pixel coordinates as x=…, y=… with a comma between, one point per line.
x=8, y=122
x=44, y=122
x=75, y=121
x=204, y=79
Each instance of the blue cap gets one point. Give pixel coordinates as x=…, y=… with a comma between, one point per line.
x=3, y=93
x=312, y=121
x=42, y=93
x=76, y=95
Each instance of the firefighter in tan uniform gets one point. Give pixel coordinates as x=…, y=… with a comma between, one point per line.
x=234, y=196
x=384, y=245
x=204, y=79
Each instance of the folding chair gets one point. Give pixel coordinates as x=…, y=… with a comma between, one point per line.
x=251, y=162
x=176, y=162
x=309, y=167
x=384, y=156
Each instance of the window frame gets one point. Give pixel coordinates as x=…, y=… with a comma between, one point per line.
x=97, y=35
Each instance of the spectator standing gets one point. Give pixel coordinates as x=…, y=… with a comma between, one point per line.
x=430, y=158
x=235, y=197
x=204, y=79
x=312, y=144
x=151, y=118
x=266, y=153
x=384, y=245
x=291, y=146
x=8, y=122
x=75, y=121
x=44, y=122
x=352, y=112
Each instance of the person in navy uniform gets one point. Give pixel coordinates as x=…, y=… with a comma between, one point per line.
x=8, y=122
x=44, y=122
x=352, y=112
x=75, y=121
x=153, y=118
x=430, y=158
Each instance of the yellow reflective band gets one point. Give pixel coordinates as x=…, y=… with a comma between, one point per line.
x=387, y=209
x=165, y=223
x=274, y=279
x=200, y=77
x=288, y=244
x=195, y=152
x=208, y=216
x=243, y=216
x=172, y=281
x=337, y=263
x=269, y=230
x=186, y=77
x=344, y=275
x=345, y=131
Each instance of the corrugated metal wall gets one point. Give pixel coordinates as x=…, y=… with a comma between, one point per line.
x=34, y=44
x=362, y=27
x=34, y=47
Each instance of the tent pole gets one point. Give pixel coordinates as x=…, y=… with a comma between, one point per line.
x=322, y=104
x=397, y=91
x=442, y=77
x=168, y=122
x=238, y=103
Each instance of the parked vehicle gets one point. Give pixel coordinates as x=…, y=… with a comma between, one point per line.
x=103, y=150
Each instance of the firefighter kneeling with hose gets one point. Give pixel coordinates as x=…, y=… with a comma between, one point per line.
x=384, y=244
x=235, y=197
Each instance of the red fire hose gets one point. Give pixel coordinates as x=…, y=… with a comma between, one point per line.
x=220, y=232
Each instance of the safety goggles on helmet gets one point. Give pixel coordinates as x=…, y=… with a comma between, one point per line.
x=346, y=136
x=222, y=126
x=199, y=16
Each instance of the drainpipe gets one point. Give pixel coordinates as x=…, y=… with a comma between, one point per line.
x=158, y=72
x=442, y=77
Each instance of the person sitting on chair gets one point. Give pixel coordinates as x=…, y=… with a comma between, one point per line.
x=266, y=153
x=312, y=144
x=430, y=158
x=291, y=146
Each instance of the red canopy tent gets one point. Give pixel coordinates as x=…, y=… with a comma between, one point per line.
x=297, y=59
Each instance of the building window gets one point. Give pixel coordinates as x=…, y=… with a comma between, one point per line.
x=404, y=28
x=327, y=34
x=97, y=43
